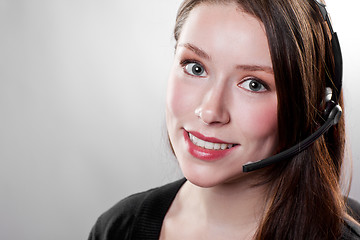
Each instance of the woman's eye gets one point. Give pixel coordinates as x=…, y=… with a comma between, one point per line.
x=253, y=85
x=195, y=69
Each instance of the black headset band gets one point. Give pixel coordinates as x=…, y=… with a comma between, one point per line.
x=336, y=82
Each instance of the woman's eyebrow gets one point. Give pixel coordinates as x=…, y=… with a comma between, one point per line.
x=196, y=50
x=255, y=68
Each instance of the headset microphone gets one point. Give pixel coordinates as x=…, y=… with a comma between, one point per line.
x=332, y=111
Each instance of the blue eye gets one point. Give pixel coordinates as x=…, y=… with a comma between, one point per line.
x=195, y=69
x=253, y=85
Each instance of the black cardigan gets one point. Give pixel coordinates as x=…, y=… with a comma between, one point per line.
x=140, y=216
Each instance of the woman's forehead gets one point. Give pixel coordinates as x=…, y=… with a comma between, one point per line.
x=223, y=31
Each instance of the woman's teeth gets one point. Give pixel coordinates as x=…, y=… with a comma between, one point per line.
x=209, y=145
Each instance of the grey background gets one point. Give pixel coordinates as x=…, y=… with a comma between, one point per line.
x=82, y=92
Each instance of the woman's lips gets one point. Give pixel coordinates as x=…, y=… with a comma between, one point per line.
x=206, y=148
x=215, y=145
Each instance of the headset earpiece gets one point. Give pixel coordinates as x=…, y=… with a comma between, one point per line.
x=335, y=113
x=332, y=109
x=328, y=94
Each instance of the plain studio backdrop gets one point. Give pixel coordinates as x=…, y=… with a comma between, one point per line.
x=82, y=98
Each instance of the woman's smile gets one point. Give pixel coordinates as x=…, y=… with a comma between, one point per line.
x=205, y=148
x=209, y=145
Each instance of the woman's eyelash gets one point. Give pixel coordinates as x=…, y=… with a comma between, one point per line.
x=254, y=84
x=193, y=68
x=185, y=62
x=260, y=81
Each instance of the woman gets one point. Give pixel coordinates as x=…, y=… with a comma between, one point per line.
x=248, y=81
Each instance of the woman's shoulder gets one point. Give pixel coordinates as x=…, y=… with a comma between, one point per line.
x=153, y=198
x=353, y=208
x=351, y=228
x=136, y=213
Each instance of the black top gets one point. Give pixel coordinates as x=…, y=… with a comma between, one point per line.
x=140, y=216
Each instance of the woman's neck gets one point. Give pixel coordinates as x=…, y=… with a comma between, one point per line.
x=232, y=202
x=235, y=208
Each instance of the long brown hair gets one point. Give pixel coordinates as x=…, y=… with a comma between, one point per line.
x=305, y=200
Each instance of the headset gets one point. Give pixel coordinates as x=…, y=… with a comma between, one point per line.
x=332, y=112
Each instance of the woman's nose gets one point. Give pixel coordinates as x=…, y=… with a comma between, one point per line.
x=213, y=108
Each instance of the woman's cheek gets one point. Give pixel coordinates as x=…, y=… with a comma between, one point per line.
x=260, y=120
x=180, y=96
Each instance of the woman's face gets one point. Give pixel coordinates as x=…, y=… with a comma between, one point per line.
x=221, y=102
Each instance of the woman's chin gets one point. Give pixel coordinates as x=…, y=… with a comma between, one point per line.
x=206, y=180
x=207, y=174
x=203, y=183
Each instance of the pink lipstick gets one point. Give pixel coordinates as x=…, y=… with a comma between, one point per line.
x=207, y=148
